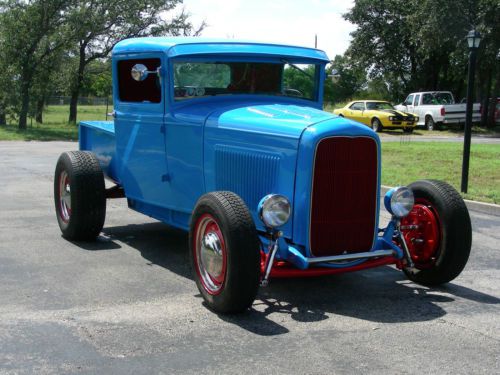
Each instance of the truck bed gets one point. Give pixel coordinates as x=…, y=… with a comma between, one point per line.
x=99, y=137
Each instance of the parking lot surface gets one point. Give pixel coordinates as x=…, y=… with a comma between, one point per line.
x=127, y=303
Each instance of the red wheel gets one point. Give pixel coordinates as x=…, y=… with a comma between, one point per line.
x=210, y=254
x=225, y=252
x=422, y=232
x=437, y=232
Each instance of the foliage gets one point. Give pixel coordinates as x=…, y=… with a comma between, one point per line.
x=300, y=78
x=350, y=83
x=62, y=46
x=420, y=44
x=33, y=32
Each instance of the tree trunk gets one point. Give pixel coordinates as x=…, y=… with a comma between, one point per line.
x=39, y=110
x=25, y=102
x=77, y=84
x=3, y=118
x=73, y=106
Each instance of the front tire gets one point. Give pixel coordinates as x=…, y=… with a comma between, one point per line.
x=441, y=241
x=225, y=252
x=377, y=125
x=429, y=123
x=79, y=195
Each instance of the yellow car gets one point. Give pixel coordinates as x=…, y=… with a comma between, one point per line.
x=378, y=115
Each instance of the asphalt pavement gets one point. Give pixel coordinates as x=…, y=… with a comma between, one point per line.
x=127, y=303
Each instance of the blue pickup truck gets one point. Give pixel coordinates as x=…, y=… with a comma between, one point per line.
x=228, y=140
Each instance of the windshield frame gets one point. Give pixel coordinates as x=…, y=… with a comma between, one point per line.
x=227, y=58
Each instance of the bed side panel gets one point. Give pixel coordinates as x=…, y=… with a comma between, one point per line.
x=99, y=137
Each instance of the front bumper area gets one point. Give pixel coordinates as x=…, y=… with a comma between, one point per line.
x=291, y=262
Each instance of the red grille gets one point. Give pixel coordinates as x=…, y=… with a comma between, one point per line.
x=344, y=196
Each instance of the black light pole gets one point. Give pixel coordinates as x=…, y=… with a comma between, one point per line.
x=473, y=40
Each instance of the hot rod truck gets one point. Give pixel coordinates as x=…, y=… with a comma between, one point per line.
x=228, y=140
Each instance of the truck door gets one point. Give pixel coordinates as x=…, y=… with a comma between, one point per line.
x=139, y=103
x=416, y=106
x=356, y=111
x=409, y=103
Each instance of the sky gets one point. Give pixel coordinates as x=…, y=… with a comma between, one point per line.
x=290, y=22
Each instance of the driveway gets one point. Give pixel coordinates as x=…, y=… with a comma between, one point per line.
x=127, y=303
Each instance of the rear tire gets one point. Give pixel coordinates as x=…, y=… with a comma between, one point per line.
x=225, y=252
x=440, y=247
x=79, y=195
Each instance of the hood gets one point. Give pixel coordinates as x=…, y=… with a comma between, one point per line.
x=278, y=119
x=396, y=113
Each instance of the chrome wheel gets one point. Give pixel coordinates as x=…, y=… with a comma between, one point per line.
x=64, y=197
x=210, y=254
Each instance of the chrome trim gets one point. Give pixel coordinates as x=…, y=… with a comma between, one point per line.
x=211, y=253
x=377, y=186
x=273, y=248
x=405, y=248
x=64, y=197
x=336, y=258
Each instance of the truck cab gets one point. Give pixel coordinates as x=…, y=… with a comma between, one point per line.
x=435, y=108
x=227, y=139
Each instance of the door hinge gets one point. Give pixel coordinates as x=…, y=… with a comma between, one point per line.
x=162, y=129
x=165, y=178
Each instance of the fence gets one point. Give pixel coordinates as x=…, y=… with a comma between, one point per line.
x=65, y=100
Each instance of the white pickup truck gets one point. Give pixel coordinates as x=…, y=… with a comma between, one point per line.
x=434, y=108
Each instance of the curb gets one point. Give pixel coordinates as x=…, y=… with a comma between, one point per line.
x=486, y=208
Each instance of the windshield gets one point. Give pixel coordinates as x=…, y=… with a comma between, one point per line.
x=377, y=106
x=202, y=79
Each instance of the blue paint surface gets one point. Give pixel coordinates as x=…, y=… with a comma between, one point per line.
x=167, y=155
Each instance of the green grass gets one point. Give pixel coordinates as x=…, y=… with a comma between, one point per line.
x=55, y=125
x=407, y=162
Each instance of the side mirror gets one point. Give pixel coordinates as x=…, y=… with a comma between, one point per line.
x=140, y=72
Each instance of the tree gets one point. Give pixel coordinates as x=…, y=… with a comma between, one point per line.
x=32, y=31
x=99, y=24
x=420, y=44
x=382, y=44
x=352, y=79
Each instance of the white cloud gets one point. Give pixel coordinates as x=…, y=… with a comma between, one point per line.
x=291, y=22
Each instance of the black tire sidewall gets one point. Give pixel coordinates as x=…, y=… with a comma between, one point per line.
x=88, y=196
x=242, y=246
x=376, y=125
x=455, y=228
x=429, y=123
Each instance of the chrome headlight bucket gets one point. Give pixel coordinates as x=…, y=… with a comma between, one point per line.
x=399, y=201
x=274, y=210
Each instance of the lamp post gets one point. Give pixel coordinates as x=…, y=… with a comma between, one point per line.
x=473, y=40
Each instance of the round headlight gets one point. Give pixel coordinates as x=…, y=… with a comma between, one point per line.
x=391, y=118
x=399, y=201
x=274, y=210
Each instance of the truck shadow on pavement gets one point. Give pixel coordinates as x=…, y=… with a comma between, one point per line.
x=380, y=295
